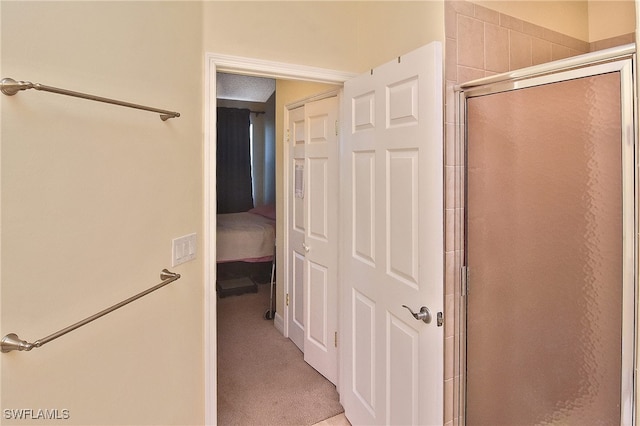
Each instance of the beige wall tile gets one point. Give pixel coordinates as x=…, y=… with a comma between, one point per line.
x=449, y=226
x=553, y=36
x=466, y=74
x=457, y=347
x=487, y=15
x=519, y=50
x=612, y=42
x=448, y=404
x=448, y=358
x=449, y=101
x=532, y=29
x=449, y=315
x=559, y=52
x=450, y=188
x=463, y=7
x=540, y=51
x=458, y=216
x=575, y=44
x=456, y=397
x=470, y=54
x=450, y=143
x=450, y=19
x=496, y=48
x=511, y=22
x=450, y=270
x=451, y=59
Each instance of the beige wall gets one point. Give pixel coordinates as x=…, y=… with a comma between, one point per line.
x=570, y=17
x=345, y=36
x=610, y=18
x=387, y=29
x=319, y=34
x=92, y=195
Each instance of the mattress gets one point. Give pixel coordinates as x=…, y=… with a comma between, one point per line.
x=245, y=237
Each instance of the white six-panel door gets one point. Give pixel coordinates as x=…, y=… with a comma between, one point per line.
x=392, y=236
x=313, y=239
x=296, y=232
x=321, y=238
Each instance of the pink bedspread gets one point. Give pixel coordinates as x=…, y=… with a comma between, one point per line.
x=245, y=237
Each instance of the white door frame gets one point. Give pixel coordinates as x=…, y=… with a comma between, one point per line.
x=247, y=66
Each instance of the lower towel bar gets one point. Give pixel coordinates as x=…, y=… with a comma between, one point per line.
x=12, y=342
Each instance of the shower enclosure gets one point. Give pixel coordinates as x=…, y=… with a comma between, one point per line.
x=550, y=243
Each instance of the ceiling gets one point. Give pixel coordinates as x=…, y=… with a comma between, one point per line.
x=244, y=87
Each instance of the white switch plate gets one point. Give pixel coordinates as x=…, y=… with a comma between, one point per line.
x=183, y=249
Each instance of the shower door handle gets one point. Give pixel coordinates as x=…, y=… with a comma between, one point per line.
x=424, y=314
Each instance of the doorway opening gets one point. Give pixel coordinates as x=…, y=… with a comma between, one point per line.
x=245, y=182
x=244, y=66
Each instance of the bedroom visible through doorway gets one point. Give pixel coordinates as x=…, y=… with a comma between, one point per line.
x=256, y=271
x=245, y=177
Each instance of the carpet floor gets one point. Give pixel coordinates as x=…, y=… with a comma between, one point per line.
x=262, y=377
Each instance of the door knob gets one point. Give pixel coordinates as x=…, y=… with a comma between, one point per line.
x=306, y=248
x=424, y=314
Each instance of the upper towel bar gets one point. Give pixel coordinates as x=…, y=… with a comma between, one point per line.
x=12, y=342
x=10, y=87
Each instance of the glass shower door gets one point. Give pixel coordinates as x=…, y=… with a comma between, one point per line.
x=545, y=254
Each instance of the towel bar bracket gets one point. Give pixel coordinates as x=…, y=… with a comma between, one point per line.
x=11, y=341
x=10, y=87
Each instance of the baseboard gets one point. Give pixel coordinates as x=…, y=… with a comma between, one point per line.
x=278, y=323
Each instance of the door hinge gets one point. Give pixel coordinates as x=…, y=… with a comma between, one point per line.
x=335, y=339
x=287, y=136
x=336, y=127
x=464, y=281
x=287, y=301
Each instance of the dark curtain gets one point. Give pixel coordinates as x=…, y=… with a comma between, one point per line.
x=234, y=161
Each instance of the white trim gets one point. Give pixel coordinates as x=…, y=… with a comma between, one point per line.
x=313, y=98
x=247, y=66
x=271, y=69
x=285, y=261
x=209, y=240
x=278, y=323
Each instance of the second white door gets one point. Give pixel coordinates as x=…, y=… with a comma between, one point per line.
x=313, y=254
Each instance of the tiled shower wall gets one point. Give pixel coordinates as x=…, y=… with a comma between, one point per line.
x=481, y=42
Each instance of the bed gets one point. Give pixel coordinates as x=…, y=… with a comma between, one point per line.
x=245, y=244
x=246, y=236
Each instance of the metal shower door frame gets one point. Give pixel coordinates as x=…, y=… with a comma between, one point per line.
x=620, y=59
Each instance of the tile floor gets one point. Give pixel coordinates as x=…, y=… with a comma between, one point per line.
x=339, y=420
